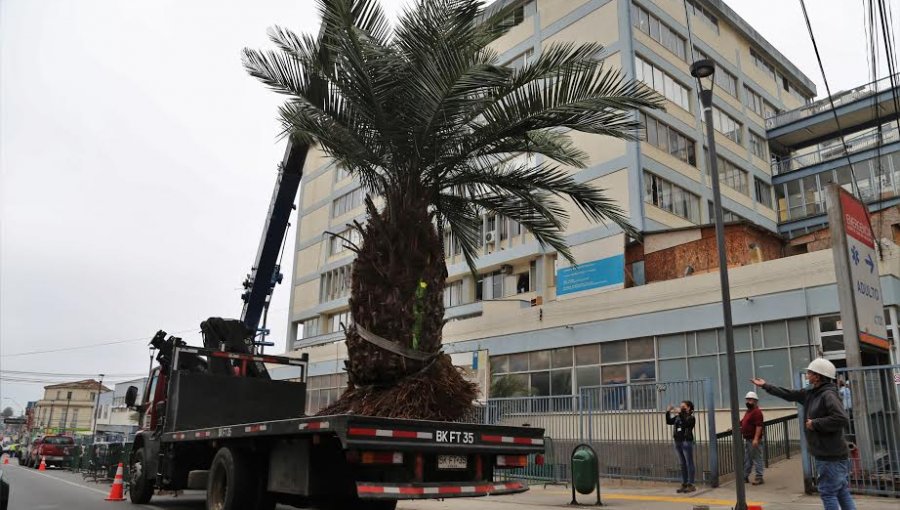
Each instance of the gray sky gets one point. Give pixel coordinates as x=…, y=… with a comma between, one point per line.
x=138, y=160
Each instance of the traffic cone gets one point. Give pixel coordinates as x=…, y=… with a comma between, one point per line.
x=6, y=459
x=43, y=466
x=117, y=491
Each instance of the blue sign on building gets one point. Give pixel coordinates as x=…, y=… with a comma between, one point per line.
x=591, y=275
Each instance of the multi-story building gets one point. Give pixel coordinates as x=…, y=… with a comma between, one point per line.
x=67, y=407
x=555, y=328
x=115, y=421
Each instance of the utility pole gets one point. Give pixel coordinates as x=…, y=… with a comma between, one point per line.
x=96, y=409
x=66, y=416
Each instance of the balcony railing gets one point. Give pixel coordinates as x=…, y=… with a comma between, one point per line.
x=835, y=151
x=822, y=105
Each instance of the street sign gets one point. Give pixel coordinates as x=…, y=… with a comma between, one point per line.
x=862, y=259
x=14, y=421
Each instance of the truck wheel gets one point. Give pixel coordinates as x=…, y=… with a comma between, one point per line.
x=231, y=483
x=140, y=489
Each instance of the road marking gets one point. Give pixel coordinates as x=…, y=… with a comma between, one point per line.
x=25, y=470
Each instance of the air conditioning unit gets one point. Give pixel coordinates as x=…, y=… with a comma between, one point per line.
x=490, y=237
x=506, y=269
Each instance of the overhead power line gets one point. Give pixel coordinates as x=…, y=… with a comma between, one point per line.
x=837, y=121
x=90, y=346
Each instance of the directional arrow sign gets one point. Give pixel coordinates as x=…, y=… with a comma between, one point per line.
x=863, y=278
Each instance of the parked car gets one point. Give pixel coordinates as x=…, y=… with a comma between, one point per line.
x=27, y=450
x=54, y=450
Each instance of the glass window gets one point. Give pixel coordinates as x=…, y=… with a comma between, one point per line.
x=587, y=376
x=703, y=367
x=707, y=342
x=518, y=362
x=540, y=360
x=641, y=348
x=561, y=382
x=642, y=372
x=673, y=370
x=499, y=364
x=612, y=352
x=775, y=334
x=587, y=354
x=614, y=374
x=671, y=346
x=798, y=332
x=774, y=367
x=540, y=384
x=763, y=192
x=562, y=357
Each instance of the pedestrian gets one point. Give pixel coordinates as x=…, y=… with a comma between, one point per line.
x=683, y=433
x=846, y=398
x=752, y=427
x=825, y=423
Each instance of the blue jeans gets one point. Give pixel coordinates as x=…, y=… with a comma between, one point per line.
x=834, y=484
x=685, y=450
x=752, y=459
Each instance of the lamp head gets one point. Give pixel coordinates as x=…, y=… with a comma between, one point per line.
x=703, y=68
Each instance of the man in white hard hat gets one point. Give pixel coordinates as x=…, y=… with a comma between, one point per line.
x=825, y=423
x=752, y=431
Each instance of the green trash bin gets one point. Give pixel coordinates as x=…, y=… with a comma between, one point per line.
x=585, y=474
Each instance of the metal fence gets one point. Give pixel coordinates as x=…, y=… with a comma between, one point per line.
x=874, y=436
x=625, y=423
x=781, y=439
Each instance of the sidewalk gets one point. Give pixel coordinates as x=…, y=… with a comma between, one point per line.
x=783, y=490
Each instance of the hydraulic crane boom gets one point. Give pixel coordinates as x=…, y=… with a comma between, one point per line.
x=266, y=271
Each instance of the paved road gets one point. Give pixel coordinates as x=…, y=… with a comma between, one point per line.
x=60, y=490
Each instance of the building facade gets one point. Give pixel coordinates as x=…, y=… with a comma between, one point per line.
x=67, y=408
x=115, y=421
x=530, y=318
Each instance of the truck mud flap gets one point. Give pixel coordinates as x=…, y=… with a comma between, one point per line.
x=375, y=490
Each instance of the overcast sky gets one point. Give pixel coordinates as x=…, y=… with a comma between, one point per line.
x=138, y=160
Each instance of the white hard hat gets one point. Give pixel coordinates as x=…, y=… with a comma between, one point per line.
x=752, y=394
x=822, y=366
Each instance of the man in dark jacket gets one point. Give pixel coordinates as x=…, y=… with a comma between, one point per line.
x=825, y=423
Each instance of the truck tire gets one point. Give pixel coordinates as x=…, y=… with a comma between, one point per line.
x=231, y=483
x=140, y=488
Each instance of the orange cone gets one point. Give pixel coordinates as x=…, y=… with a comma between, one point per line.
x=117, y=491
x=6, y=459
x=43, y=466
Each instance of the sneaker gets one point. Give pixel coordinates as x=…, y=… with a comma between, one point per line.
x=759, y=481
x=682, y=489
x=690, y=488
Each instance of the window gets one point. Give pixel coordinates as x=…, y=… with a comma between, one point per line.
x=497, y=278
x=753, y=101
x=661, y=82
x=68, y=395
x=731, y=175
x=667, y=138
x=724, y=79
x=453, y=294
x=671, y=197
x=758, y=146
x=335, y=284
x=694, y=7
x=727, y=216
x=310, y=328
x=339, y=321
x=479, y=287
x=337, y=245
x=451, y=244
x=727, y=125
x=524, y=10
x=523, y=283
x=763, y=192
x=323, y=390
x=760, y=62
x=658, y=31
x=74, y=421
x=831, y=333
x=92, y=396
x=347, y=202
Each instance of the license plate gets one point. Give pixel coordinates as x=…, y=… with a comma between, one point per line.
x=451, y=462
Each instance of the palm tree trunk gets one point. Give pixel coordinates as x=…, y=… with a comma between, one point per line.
x=397, y=294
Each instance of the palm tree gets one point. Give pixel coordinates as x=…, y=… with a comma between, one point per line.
x=431, y=124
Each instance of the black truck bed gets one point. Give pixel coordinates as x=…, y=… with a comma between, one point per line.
x=376, y=433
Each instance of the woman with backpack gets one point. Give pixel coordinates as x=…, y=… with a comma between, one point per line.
x=683, y=433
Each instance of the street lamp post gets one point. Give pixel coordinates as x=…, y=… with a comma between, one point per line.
x=96, y=409
x=704, y=69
